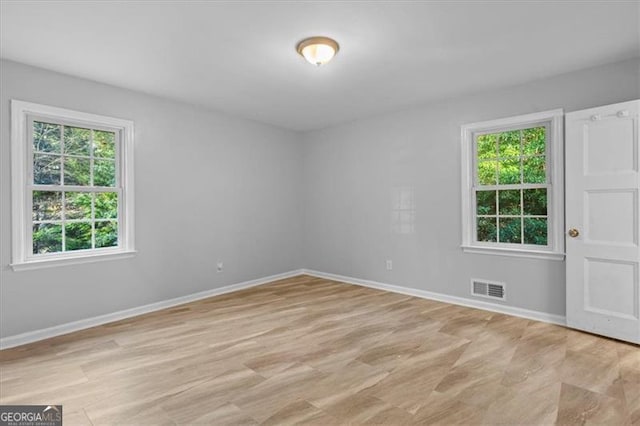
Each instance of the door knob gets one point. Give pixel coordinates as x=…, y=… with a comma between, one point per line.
x=573, y=232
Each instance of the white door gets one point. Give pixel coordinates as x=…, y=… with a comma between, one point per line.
x=603, y=225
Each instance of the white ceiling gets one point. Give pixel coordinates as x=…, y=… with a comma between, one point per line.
x=239, y=57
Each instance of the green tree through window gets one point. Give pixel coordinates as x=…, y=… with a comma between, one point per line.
x=74, y=197
x=511, y=189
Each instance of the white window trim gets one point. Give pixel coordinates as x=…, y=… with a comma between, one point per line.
x=21, y=259
x=555, y=170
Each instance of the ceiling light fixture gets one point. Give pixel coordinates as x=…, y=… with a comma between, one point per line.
x=318, y=50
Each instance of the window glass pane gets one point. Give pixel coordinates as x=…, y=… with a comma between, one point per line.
x=104, y=144
x=77, y=236
x=106, y=206
x=486, y=202
x=487, y=229
x=534, y=141
x=509, y=144
x=535, y=231
x=77, y=171
x=47, y=238
x=77, y=205
x=47, y=205
x=104, y=173
x=535, y=201
x=77, y=141
x=509, y=171
x=106, y=234
x=487, y=146
x=509, y=202
x=510, y=230
x=46, y=137
x=487, y=171
x=534, y=170
x=46, y=169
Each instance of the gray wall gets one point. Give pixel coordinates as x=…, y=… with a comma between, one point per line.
x=350, y=173
x=266, y=201
x=208, y=187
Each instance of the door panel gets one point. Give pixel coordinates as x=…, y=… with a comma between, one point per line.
x=614, y=156
x=618, y=298
x=610, y=217
x=602, y=185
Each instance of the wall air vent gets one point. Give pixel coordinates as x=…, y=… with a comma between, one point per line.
x=489, y=289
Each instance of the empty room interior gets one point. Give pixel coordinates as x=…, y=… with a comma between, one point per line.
x=319, y=212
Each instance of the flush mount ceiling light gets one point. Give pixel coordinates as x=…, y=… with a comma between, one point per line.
x=318, y=50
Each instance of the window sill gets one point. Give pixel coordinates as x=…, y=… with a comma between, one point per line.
x=497, y=251
x=64, y=261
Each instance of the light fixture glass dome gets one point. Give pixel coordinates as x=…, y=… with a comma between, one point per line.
x=318, y=50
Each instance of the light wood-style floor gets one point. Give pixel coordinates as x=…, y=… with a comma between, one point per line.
x=308, y=350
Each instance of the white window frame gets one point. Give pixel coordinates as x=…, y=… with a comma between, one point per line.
x=22, y=114
x=554, y=154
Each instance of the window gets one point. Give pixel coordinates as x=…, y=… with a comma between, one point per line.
x=72, y=187
x=512, y=186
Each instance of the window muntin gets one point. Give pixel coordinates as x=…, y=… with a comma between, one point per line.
x=511, y=186
x=74, y=187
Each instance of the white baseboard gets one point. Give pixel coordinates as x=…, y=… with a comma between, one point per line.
x=33, y=336
x=455, y=300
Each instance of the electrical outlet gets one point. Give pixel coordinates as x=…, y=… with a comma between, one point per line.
x=220, y=266
x=389, y=265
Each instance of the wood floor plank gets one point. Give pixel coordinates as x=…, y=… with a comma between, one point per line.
x=306, y=350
